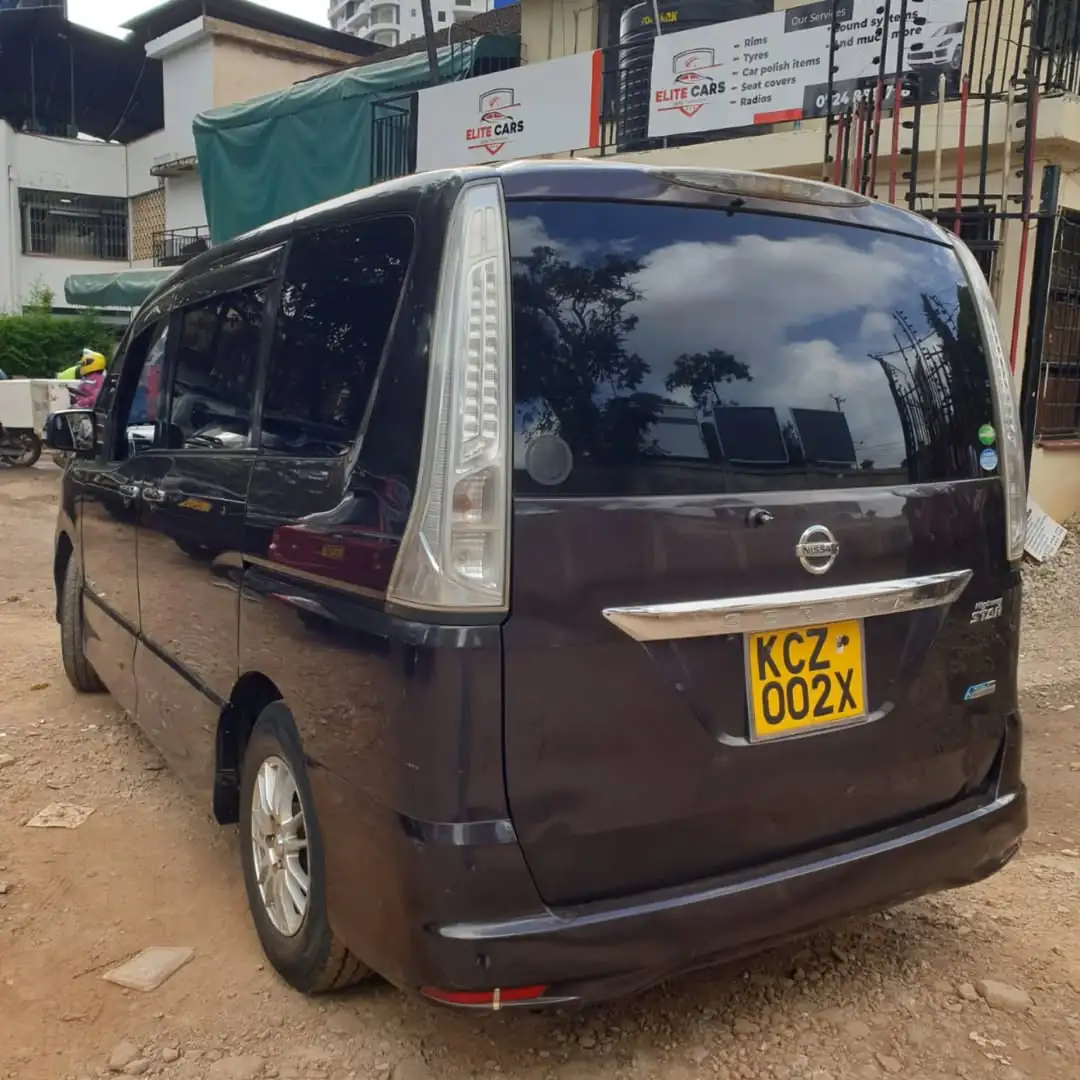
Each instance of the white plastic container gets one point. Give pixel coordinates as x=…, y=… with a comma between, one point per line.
x=25, y=404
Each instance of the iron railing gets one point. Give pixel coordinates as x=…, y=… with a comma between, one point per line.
x=174, y=247
x=73, y=226
x=1057, y=412
x=393, y=137
x=393, y=126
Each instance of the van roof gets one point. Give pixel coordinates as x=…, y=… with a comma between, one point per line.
x=576, y=178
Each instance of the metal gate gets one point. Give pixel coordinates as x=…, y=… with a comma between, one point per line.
x=1016, y=53
x=393, y=137
x=1057, y=392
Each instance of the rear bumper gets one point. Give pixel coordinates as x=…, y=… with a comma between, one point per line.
x=404, y=929
x=598, y=952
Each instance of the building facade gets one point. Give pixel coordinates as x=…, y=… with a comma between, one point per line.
x=79, y=205
x=988, y=142
x=391, y=22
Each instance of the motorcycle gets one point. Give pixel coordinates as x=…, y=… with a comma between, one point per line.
x=19, y=448
x=25, y=405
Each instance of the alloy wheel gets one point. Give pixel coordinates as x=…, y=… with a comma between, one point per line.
x=279, y=844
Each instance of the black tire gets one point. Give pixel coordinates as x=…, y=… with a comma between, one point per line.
x=31, y=454
x=77, y=668
x=199, y=552
x=312, y=960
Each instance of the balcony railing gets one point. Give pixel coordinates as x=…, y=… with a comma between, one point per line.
x=174, y=247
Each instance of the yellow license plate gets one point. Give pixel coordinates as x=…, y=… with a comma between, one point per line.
x=333, y=551
x=805, y=678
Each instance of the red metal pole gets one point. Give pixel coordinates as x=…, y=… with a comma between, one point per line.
x=1025, y=219
x=965, y=86
x=857, y=162
x=838, y=161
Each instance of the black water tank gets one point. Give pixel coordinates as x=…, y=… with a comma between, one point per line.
x=637, y=31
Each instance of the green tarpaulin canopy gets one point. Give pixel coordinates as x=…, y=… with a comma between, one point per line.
x=276, y=154
x=122, y=289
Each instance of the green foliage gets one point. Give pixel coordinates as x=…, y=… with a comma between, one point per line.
x=39, y=344
x=41, y=299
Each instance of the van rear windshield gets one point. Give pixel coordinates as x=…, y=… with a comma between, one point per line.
x=675, y=350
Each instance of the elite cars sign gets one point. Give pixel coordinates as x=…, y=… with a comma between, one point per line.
x=770, y=68
x=529, y=111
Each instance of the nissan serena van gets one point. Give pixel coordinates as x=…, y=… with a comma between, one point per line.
x=566, y=574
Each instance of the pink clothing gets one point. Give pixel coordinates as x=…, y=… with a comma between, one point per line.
x=87, y=390
x=153, y=381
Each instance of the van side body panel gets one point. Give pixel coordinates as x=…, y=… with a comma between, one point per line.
x=401, y=721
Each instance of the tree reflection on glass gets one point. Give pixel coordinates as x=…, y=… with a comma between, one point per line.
x=577, y=373
x=574, y=369
x=704, y=373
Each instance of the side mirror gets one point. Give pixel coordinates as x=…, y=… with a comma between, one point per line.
x=71, y=430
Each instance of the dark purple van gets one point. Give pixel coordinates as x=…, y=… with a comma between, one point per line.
x=567, y=574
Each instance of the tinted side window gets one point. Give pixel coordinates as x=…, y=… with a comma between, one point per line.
x=133, y=390
x=217, y=356
x=665, y=349
x=342, y=287
x=147, y=398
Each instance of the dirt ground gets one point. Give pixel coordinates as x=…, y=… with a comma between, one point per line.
x=891, y=995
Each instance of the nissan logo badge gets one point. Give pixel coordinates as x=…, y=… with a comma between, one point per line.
x=817, y=550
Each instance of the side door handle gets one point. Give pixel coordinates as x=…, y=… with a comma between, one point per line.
x=153, y=494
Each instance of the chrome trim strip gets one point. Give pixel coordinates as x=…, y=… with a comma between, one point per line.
x=779, y=611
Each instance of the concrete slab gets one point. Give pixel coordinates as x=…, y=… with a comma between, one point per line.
x=150, y=968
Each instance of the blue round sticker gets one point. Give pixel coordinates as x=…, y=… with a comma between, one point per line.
x=988, y=459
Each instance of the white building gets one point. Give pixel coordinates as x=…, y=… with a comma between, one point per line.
x=83, y=205
x=391, y=22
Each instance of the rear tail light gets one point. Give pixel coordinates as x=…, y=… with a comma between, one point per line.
x=455, y=550
x=1006, y=415
x=480, y=999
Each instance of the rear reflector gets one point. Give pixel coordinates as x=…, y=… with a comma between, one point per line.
x=492, y=999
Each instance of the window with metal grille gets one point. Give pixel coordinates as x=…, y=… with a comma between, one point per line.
x=73, y=226
x=1057, y=414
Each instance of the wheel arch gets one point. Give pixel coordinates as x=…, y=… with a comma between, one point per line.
x=251, y=694
x=63, y=553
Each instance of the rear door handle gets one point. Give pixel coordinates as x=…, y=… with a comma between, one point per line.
x=153, y=494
